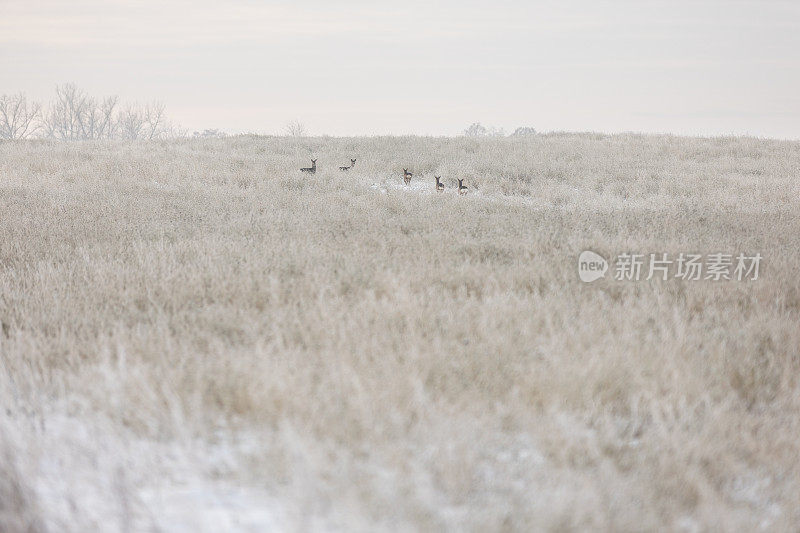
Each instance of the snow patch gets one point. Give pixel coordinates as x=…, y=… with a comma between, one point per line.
x=88, y=476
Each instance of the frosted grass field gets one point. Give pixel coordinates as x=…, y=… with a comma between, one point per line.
x=198, y=337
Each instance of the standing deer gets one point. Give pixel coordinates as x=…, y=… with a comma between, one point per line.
x=439, y=184
x=462, y=189
x=312, y=169
x=406, y=176
x=352, y=164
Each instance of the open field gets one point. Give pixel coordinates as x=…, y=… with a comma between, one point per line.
x=197, y=337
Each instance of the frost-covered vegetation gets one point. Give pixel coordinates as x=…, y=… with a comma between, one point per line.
x=195, y=336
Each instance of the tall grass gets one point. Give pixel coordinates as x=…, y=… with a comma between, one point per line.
x=198, y=337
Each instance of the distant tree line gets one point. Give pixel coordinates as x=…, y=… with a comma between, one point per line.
x=75, y=115
x=476, y=129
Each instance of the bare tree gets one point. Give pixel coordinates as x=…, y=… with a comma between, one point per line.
x=143, y=122
x=174, y=131
x=295, y=129
x=154, y=121
x=524, y=130
x=65, y=117
x=476, y=129
x=131, y=122
x=74, y=115
x=100, y=121
x=19, y=118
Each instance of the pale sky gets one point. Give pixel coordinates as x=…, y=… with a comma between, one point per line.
x=359, y=68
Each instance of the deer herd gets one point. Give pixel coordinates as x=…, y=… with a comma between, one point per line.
x=462, y=189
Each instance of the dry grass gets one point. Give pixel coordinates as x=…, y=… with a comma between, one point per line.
x=198, y=337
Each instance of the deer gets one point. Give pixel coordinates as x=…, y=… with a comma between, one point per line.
x=312, y=169
x=406, y=176
x=439, y=184
x=462, y=189
x=352, y=164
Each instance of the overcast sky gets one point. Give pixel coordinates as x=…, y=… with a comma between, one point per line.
x=360, y=67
